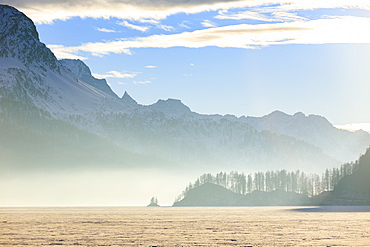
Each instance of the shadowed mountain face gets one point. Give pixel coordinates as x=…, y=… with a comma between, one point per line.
x=79, y=110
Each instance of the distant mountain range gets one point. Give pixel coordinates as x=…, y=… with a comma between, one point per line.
x=55, y=114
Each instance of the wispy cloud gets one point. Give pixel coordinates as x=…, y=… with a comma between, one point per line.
x=344, y=29
x=105, y=30
x=150, y=66
x=150, y=21
x=260, y=14
x=142, y=82
x=224, y=14
x=132, y=26
x=61, y=52
x=157, y=24
x=184, y=24
x=42, y=11
x=208, y=23
x=165, y=27
x=116, y=74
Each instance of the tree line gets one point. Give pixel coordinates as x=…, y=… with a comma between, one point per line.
x=297, y=181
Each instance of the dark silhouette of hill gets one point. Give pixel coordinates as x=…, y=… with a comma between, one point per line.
x=352, y=189
x=211, y=195
x=215, y=195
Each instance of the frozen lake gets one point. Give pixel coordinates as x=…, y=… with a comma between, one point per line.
x=166, y=226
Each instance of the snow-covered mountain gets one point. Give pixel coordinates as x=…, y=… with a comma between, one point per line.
x=29, y=72
x=59, y=105
x=83, y=73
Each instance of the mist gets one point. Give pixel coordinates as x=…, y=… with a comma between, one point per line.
x=131, y=187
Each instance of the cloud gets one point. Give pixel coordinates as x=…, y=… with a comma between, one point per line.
x=275, y=15
x=62, y=52
x=208, y=23
x=105, y=30
x=150, y=21
x=116, y=74
x=42, y=11
x=184, y=24
x=223, y=15
x=157, y=24
x=355, y=127
x=150, y=66
x=132, y=26
x=95, y=49
x=142, y=82
x=334, y=30
x=165, y=27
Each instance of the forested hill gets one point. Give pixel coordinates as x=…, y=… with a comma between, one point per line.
x=210, y=194
x=347, y=185
x=353, y=189
x=311, y=184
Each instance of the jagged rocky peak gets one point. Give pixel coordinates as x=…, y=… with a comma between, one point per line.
x=128, y=99
x=77, y=67
x=83, y=73
x=19, y=39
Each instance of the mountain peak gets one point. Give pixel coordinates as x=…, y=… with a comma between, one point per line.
x=128, y=99
x=83, y=73
x=299, y=115
x=171, y=106
x=19, y=39
x=276, y=116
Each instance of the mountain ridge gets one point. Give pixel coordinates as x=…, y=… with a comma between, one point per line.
x=168, y=129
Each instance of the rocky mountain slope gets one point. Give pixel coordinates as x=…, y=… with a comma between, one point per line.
x=37, y=90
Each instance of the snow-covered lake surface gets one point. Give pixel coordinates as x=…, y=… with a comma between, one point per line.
x=166, y=226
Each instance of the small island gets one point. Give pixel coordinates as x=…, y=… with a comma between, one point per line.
x=153, y=202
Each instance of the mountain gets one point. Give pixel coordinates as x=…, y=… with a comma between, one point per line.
x=83, y=73
x=30, y=73
x=209, y=194
x=55, y=102
x=31, y=139
x=343, y=145
x=128, y=100
x=172, y=107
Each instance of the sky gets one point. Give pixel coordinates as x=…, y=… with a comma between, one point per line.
x=220, y=56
